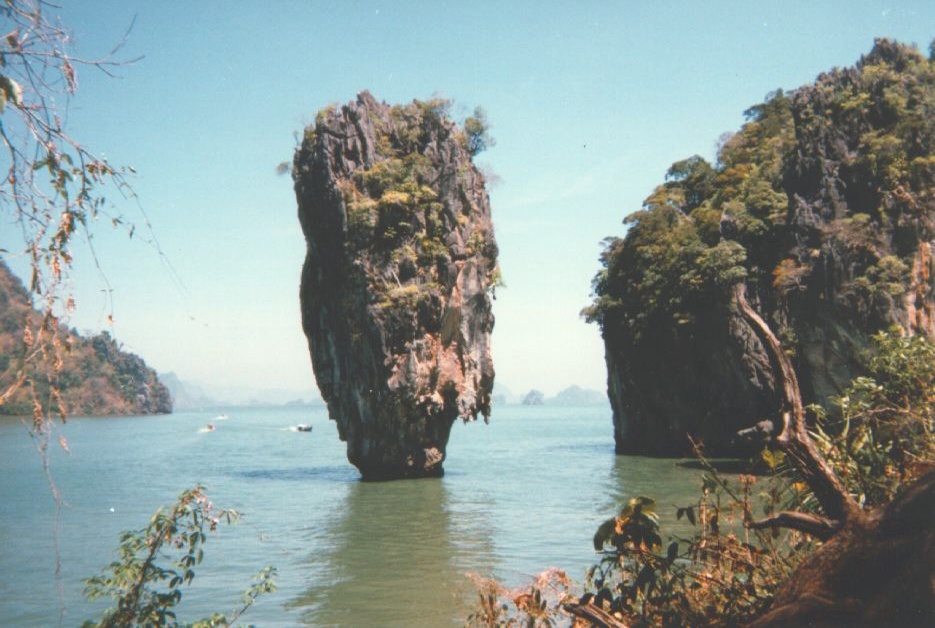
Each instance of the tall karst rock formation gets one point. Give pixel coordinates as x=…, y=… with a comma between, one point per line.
x=396, y=287
x=822, y=206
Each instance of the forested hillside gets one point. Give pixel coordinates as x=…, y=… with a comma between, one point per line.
x=89, y=376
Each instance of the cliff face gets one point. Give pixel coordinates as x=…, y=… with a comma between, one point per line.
x=823, y=205
x=94, y=377
x=395, y=294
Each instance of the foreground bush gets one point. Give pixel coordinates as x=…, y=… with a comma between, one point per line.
x=155, y=563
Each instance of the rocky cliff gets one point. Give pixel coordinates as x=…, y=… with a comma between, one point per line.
x=92, y=375
x=822, y=205
x=398, y=275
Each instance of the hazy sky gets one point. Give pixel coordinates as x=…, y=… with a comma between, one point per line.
x=590, y=103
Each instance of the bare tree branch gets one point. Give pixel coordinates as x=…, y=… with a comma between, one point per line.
x=793, y=438
x=819, y=527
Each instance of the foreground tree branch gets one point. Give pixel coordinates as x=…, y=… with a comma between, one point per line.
x=819, y=527
x=874, y=573
x=793, y=438
x=875, y=567
x=52, y=185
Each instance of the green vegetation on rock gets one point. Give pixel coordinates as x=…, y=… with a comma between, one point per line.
x=400, y=269
x=822, y=205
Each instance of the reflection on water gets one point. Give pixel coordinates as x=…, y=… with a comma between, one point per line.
x=667, y=480
x=391, y=559
x=520, y=495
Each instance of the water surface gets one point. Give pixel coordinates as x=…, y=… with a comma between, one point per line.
x=519, y=495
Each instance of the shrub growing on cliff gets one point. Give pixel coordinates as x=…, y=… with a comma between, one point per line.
x=477, y=132
x=882, y=437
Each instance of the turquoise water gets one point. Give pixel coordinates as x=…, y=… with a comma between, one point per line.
x=519, y=495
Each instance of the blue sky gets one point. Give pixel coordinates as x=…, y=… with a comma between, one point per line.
x=590, y=103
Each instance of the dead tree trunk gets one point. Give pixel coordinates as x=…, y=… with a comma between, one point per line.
x=794, y=441
x=875, y=567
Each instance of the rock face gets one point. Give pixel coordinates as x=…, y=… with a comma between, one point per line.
x=823, y=205
x=94, y=375
x=397, y=282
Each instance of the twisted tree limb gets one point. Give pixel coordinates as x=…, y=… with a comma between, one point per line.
x=875, y=567
x=819, y=527
x=793, y=439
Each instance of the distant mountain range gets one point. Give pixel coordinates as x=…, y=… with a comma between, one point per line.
x=571, y=396
x=188, y=395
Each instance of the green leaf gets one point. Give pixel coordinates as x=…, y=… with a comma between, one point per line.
x=646, y=577
x=604, y=533
x=673, y=551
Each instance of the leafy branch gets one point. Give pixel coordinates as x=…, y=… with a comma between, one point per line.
x=52, y=186
x=156, y=562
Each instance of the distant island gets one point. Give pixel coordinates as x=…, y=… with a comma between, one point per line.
x=570, y=396
x=95, y=375
x=189, y=395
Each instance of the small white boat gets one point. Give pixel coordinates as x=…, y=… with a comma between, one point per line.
x=303, y=427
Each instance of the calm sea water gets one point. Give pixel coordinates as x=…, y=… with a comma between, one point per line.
x=520, y=495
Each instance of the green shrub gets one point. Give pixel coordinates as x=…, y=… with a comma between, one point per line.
x=155, y=563
x=881, y=437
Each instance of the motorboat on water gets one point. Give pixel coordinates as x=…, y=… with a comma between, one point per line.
x=303, y=427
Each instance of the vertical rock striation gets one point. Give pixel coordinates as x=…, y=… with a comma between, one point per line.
x=397, y=282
